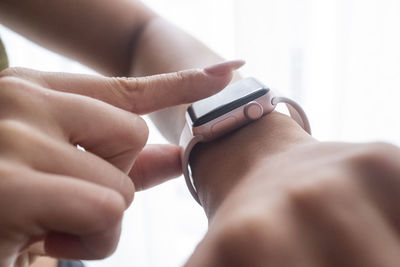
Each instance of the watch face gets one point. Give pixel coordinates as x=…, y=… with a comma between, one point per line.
x=233, y=96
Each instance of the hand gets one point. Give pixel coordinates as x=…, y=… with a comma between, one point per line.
x=71, y=199
x=289, y=200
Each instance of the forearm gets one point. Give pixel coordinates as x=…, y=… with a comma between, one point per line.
x=98, y=33
x=163, y=47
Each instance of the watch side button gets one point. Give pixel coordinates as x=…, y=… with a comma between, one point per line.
x=253, y=110
x=224, y=126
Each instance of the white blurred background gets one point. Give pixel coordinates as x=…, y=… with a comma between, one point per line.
x=339, y=58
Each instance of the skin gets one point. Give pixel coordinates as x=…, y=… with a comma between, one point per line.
x=295, y=201
x=44, y=262
x=283, y=198
x=73, y=201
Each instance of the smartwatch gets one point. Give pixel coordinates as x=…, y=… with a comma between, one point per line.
x=235, y=106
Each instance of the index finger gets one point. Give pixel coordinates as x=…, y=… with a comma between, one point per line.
x=139, y=95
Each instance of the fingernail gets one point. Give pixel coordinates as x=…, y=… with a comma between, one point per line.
x=224, y=68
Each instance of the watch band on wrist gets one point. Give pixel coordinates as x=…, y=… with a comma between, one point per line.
x=188, y=141
x=230, y=116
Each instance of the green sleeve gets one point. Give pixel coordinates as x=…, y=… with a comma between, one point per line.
x=3, y=57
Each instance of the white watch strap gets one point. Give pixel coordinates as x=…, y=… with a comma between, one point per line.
x=188, y=140
x=296, y=111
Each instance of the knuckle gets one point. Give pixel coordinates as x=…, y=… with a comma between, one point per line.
x=138, y=135
x=381, y=150
x=185, y=79
x=131, y=130
x=7, y=172
x=144, y=130
x=127, y=189
x=137, y=174
x=12, y=132
x=20, y=140
x=181, y=77
x=7, y=127
x=307, y=194
x=11, y=87
x=377, y=156
x=244, y=232
x=241, y=230
x=112, y=207
x=10, y=72
x=127, y=85
x=8, y=82
x=130, y=89
x=376, y=166
x=9, y=96
x=320, y=196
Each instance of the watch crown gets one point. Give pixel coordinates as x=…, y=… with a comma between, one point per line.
x=253, y=110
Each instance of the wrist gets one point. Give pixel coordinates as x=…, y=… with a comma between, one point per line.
x=220, y=165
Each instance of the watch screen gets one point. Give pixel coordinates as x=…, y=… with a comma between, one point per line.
x=230, y=98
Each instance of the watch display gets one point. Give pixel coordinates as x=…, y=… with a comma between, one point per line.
x=230, y=98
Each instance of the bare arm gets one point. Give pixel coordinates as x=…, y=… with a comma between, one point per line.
x=119, y=38
x=114, y=37
x=98, y=33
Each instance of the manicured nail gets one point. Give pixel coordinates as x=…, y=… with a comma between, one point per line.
x=224, y=68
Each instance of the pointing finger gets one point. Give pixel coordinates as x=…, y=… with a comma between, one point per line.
x=139, y=95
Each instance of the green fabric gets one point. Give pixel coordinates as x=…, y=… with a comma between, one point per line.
x=3, y=57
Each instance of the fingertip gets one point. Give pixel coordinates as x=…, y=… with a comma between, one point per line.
x=216, y=78
x=203, y=83
x=156, y=164
x=224, y=68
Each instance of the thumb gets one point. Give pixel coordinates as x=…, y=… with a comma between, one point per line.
x=138, y=95
x=155, y=165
